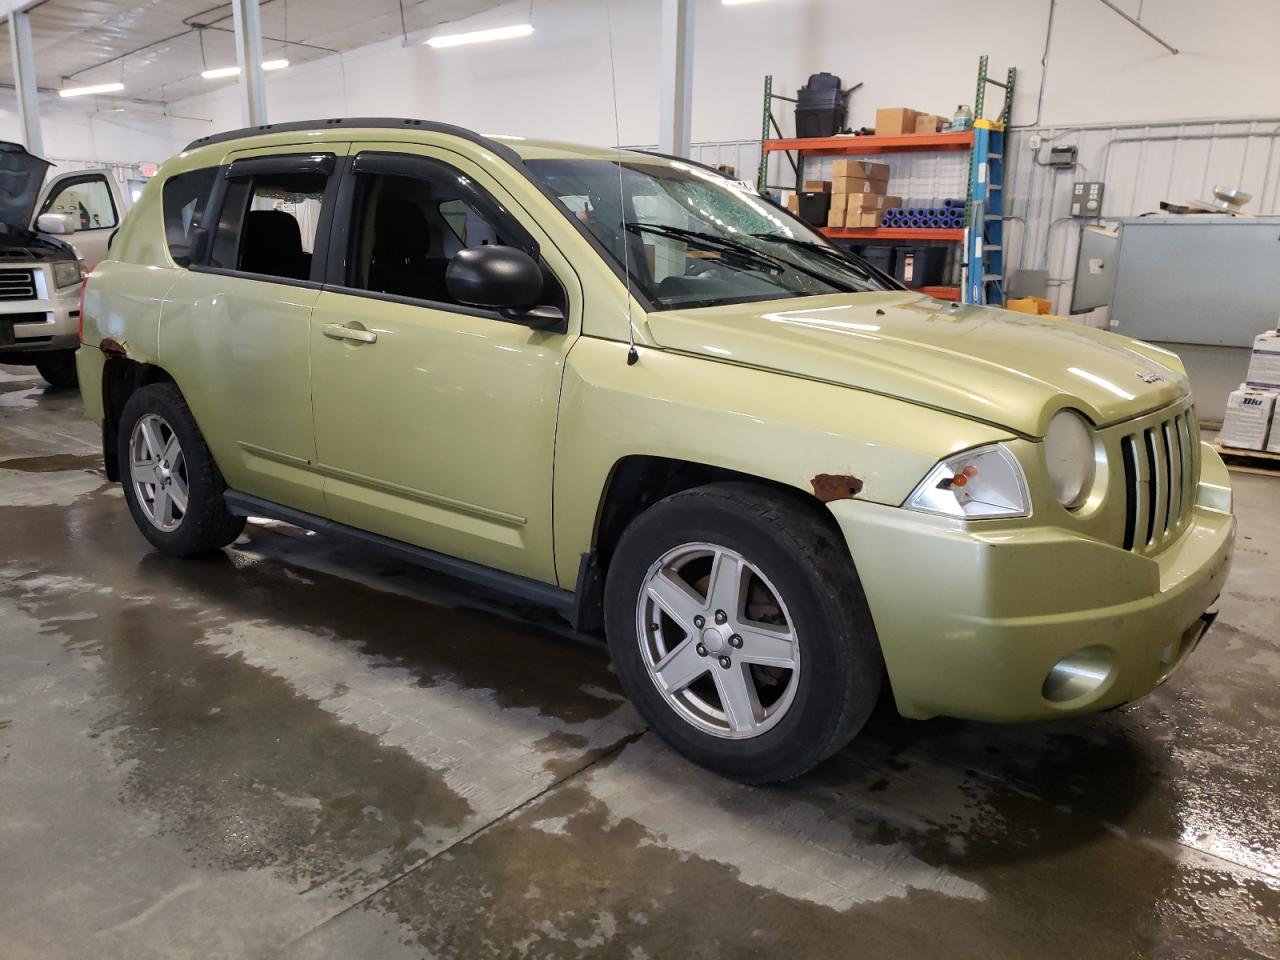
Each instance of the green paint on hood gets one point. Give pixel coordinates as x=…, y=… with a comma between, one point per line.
x=1005, y=368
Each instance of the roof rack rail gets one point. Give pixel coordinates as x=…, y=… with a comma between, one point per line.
x=385, y=123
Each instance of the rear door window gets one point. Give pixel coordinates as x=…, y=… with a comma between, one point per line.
x=185, y=197
x=269, y=222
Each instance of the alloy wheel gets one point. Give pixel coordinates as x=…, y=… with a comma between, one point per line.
x=718, y=641
x=158, y=469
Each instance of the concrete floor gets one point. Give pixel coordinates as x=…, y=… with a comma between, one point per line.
x=296, y=751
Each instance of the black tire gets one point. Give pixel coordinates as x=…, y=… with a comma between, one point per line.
x=206, y=525
x=58, y=367
x=797, y=550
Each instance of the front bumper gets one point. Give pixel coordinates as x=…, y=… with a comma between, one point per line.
x=47, y=319
x=972, y=621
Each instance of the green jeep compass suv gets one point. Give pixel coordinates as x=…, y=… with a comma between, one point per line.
x=631, y=389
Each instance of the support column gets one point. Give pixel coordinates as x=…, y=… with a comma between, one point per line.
x=253, y=93
x=24, y=80
x=677, y=77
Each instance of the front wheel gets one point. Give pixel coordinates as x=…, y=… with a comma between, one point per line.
x=173, y=487
x=739, y=629
x=59, y=369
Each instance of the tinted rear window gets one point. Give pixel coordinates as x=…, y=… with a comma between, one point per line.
x=185, y=197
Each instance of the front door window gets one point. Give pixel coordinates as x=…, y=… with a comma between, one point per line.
x=87, y=200
x=408, y=228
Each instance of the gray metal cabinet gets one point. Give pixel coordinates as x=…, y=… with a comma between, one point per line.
x=1197, y=279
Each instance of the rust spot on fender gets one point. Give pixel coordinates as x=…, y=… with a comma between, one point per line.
x=836, y=486
x=112, y=348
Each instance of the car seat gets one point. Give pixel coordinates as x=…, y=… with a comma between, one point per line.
x=272, y=245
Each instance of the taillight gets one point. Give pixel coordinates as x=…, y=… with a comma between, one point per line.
x=84, y=286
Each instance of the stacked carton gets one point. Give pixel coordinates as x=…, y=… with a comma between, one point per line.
x=859, y=193
x=1264, y=362
x=896, y=121
x=1250, y=422
x=1248, y=418
x=1264, y=374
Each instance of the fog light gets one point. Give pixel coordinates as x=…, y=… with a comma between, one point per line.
x=1084, y=672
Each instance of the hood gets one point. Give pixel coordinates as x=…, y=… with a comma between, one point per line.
x=21, y=176
x=1004, y=368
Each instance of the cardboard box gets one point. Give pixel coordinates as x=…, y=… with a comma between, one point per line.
x=1273, y=443
x=1032, y=305
x=846, y=167
x=1264, y=364
x=858, y=185
x=839, y=203
x=1248, y=418
x=870, y=201
x=928, y=123
x=817, y=186
x=870, y=218
x=793, y=203
x=894, y=121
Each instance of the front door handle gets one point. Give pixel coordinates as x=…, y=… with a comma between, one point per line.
x=337, y=331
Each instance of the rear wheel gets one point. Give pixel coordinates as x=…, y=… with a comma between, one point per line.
x=58, y=367
x=739, y=629
x=173, y=487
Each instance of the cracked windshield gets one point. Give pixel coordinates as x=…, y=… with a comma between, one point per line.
x=695, y=239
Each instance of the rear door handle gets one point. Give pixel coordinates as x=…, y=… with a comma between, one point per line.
x=337, y=331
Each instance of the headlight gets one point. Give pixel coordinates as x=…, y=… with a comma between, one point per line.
x=67, y=272
x=1069, y=458
x=982, y=483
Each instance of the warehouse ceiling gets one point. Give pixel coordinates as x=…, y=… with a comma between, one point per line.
x=158, y=48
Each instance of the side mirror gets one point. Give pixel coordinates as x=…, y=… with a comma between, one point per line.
x=57, y=223
x=503, y=278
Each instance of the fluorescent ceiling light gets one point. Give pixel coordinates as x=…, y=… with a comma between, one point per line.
x=481, y=36
x=93, y=88
x=217, y=73
x=735, y=3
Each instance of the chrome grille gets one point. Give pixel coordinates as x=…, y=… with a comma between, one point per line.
x=1161, y=468
x=17, y=285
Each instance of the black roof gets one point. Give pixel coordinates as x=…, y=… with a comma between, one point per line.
x=398, y=123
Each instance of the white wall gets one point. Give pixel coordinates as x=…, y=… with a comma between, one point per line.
x=87, y=133
x=920, y=53
x=923, y=53
x=554, y=84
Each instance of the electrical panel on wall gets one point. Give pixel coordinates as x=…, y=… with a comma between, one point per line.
x=1086, y=198
x=1063, y=158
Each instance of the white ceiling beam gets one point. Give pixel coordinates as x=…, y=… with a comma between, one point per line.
x=248, y=36
x=676, y=109
x=23, y=55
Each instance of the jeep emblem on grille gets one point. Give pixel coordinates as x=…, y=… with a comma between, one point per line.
x=1149, y=377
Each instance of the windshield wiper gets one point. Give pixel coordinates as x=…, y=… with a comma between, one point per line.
x=828, y=251
x=711, y=242
x=832, y=252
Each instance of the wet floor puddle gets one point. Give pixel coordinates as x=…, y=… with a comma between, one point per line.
x=277, y=717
